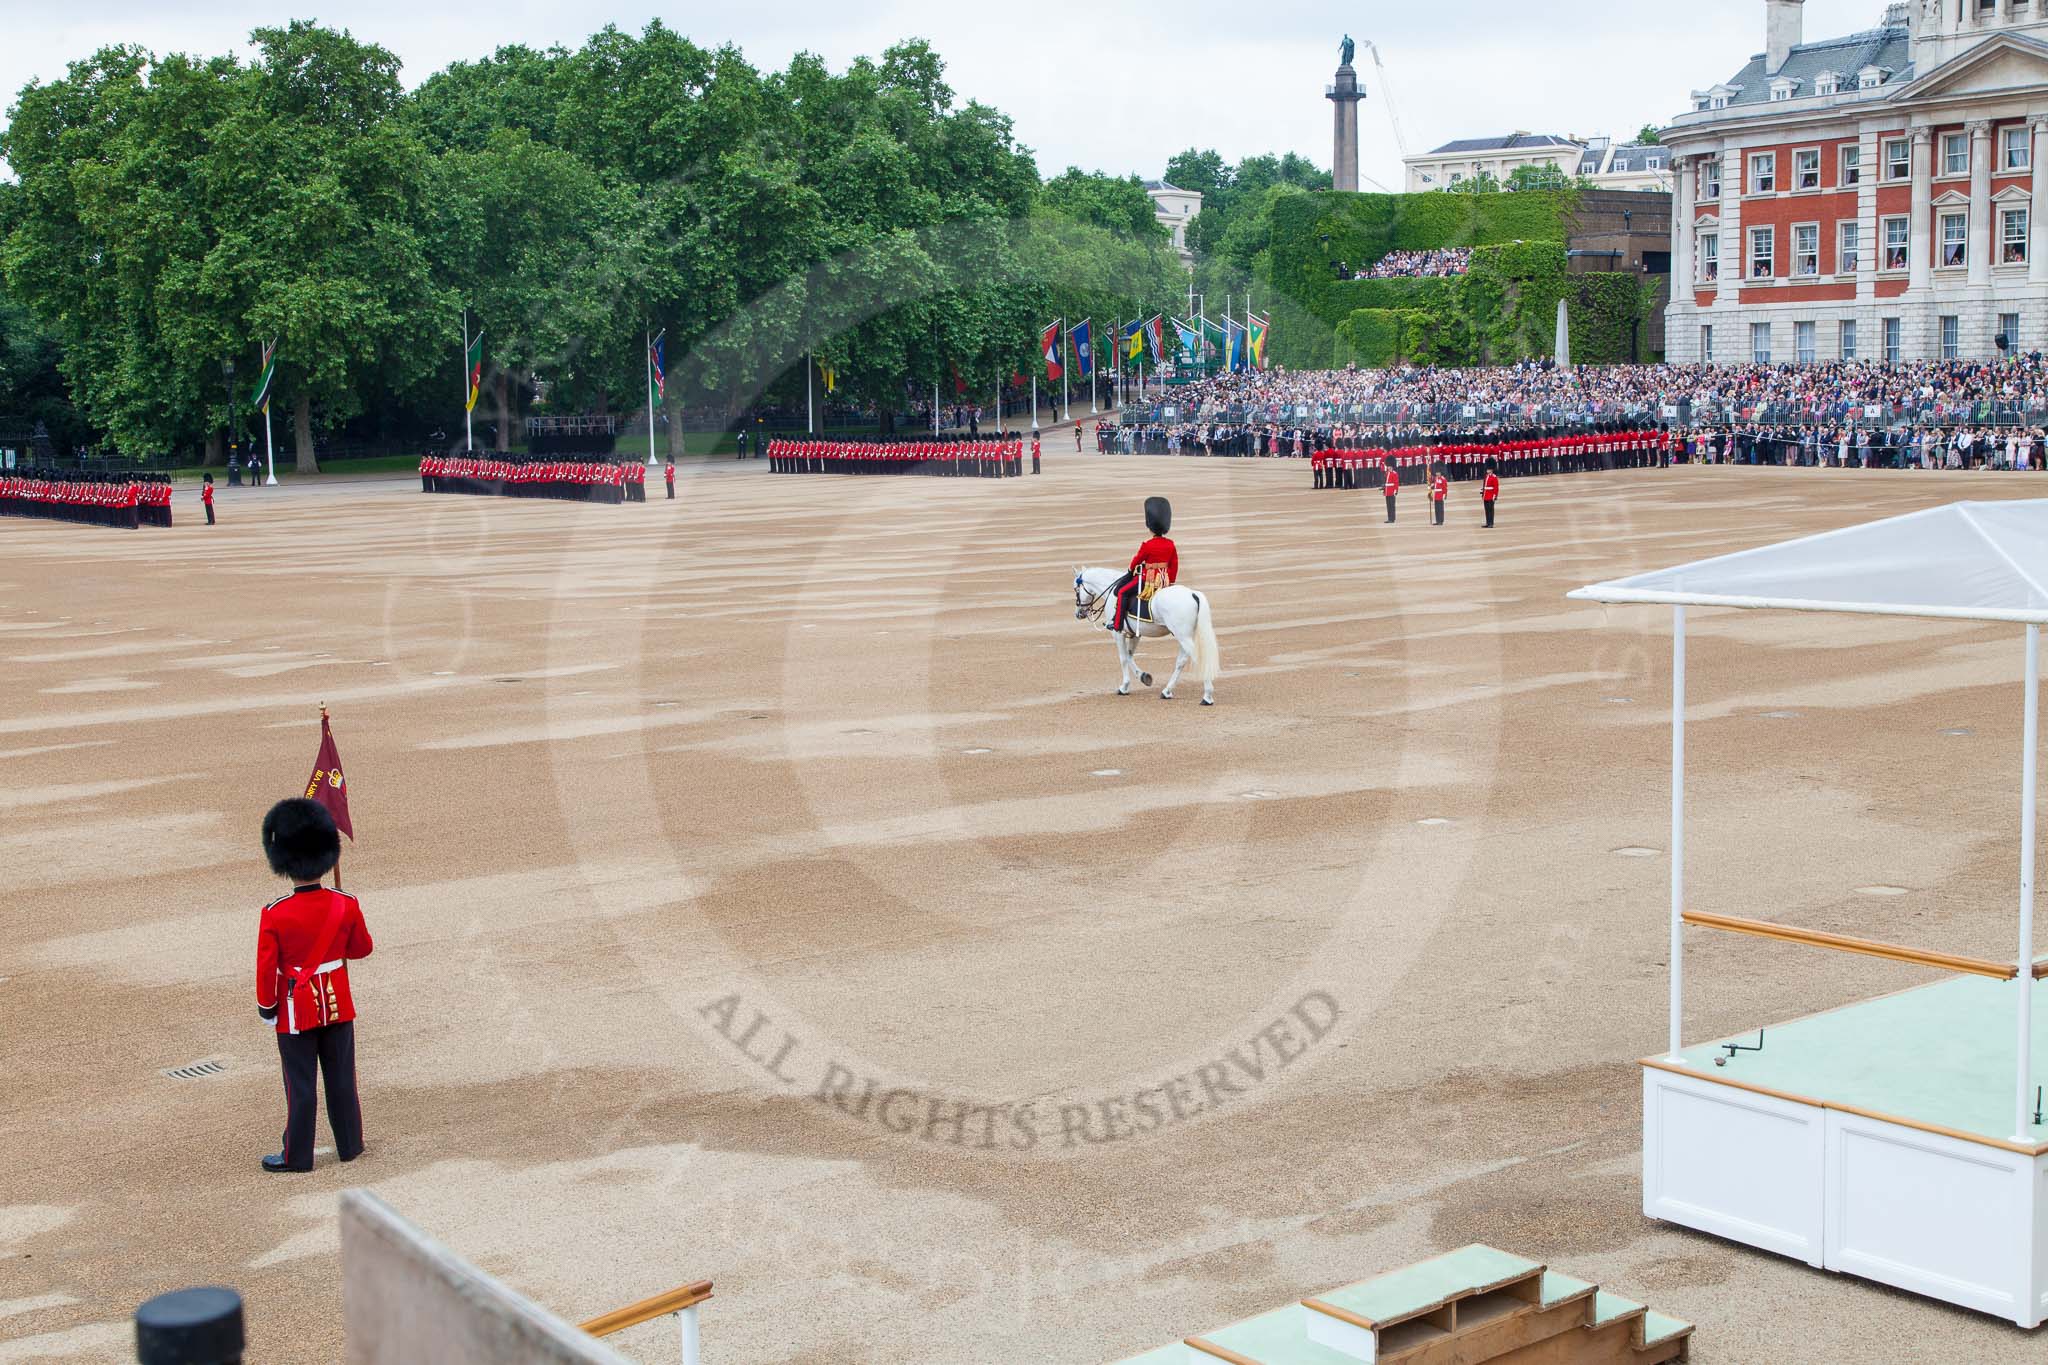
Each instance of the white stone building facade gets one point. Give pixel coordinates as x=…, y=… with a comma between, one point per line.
x=1868, y=197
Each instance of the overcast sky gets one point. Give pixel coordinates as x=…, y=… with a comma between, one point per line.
x=1115, y=86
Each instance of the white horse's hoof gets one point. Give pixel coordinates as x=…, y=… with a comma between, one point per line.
x=1145, y=678
x=1124, y=691
x=1166, y=695
x=1208, y=701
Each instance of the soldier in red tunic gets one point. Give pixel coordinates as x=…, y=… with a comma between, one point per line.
x=1390, y=485
x=1157, y=559
x=1489, y=489
x=303, y=945
x=1439, y=489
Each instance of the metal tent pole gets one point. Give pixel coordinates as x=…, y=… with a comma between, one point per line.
x=2023, y=1125
x=1677, y=829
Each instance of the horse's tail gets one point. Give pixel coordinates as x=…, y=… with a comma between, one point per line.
x=1206, y=661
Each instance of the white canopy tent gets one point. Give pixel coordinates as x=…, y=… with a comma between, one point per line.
x=1981, y=561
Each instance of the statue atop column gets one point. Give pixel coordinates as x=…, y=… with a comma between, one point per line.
x=1348, y=49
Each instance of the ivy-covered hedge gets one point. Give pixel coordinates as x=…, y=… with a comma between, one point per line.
x=1503, y=311
x=1311, y=233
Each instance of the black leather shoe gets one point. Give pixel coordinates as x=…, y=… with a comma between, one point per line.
x=276, y=1162
x=351, y=1156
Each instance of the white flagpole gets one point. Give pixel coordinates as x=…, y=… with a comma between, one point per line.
x=1066, y=402
x=810, y=413
x=1092, y=366
x=1034, y=398
x=650, y=396
x=468, y=441
x=269, y=451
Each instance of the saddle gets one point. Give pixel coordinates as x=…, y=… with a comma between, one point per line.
x=1151, y=578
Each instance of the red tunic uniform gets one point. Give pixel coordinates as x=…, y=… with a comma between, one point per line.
x=1489, y=488
x=1158, y=550
x=303, y=946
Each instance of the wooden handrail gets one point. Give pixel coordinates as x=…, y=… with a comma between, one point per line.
x=647, y=1310
x=1843, y=943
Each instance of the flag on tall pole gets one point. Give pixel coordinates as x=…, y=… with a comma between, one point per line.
x=1258, y=330
x=269, y=369
x=1084, y=353
x=1049, y=347
x=327, y=785
x=1155, y=336
x=657, y=387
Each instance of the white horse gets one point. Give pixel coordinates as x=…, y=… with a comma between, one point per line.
x=1180, y=612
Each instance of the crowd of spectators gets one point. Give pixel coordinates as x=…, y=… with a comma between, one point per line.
x=1930, y=414
x=1435, y=263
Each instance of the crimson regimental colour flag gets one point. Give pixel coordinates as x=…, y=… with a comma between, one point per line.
x=1049, y=347
x=327, y=785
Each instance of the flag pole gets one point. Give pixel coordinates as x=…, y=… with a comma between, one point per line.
x=323, y=705
x=810, y=413
x=1034, y=397
x=648, y=336
x=468, y=441
x=1093, y=368
x=269, y=451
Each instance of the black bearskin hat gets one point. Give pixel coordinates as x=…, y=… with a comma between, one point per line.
x=1158, y=516
x=300, y=840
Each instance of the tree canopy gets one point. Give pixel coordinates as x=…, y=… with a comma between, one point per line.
x=173, y=213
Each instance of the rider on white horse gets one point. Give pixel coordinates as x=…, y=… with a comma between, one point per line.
x=1155, y=566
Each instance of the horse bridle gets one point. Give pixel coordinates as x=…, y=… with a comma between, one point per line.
x=1092, y=609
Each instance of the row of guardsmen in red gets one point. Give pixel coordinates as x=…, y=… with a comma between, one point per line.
x=574, y=478
x=1515, y=454
x=86, y=496
x=960, y=457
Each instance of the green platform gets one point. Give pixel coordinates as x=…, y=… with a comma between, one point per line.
x=1940, y=1055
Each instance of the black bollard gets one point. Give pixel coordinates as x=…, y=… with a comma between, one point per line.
x=190, y=1327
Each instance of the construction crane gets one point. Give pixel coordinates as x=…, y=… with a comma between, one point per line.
x=1387, y=98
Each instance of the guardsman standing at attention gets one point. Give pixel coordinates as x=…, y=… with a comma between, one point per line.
x=668, y=473
x=1391, y=485
x=1034, y=451
x=1489, y=489
x=1439, y=489
x=206, y=496
x=303, y=946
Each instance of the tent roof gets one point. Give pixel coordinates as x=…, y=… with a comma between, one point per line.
x=1982, y=561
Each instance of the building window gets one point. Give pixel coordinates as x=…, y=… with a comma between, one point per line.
x=1760, y=343
x=1806, y=169
x=1710, y=179
x=1848, y=254
x=1852, y=166
x=1802, y=342
x=1707, y=345
x=1848, y=338
x=1710, y=257
x=1955, y=239
x=1762, y=253
x=1898, y=159
x=1897, y=233
x=1869, y=80
x=1718, y=102
x=2012, y=236
x=1826, y=83
x=1951, y=337
x=1806, y=249
x=1955, y=153
x=1763, y=172
x=2009, y=328
x=2018, y=152
x=1892, y=330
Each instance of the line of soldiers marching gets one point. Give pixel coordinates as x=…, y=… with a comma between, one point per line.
x=87, y=496
x=1514, y=453
x=961, y=457
x=573, y=478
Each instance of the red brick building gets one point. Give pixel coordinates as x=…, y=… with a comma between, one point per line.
x=1867, y=197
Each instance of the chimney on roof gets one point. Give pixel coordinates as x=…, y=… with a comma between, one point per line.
x=1783, y=21
x=1897, y=15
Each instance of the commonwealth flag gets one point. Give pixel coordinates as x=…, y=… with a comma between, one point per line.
x=1084, y=351
x=1132, y=335
x=1258, y=330
x=475, y=358
x=260, y=400
x=1049, y=347
x=1155, y=336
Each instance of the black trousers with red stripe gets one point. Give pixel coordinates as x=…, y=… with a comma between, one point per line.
x=331, y=1050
